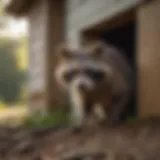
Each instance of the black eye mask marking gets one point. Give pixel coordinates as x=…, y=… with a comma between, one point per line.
x=68, y=76
x=96, y=75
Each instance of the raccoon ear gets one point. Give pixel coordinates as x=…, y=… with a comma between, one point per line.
x=97, y=49
x=64, y=52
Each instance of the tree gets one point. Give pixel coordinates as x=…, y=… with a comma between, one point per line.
x=11, y=78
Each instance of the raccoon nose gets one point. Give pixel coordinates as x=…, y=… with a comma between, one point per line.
x=82, y=87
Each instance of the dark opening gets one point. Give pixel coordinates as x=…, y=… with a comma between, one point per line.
x=124, y=38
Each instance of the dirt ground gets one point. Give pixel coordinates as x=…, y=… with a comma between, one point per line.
x=127, y=142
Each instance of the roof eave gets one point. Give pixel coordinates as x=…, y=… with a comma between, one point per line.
x=19, y=7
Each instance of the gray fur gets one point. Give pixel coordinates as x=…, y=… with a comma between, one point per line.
x=119, y=82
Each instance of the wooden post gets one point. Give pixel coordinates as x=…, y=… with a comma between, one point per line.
x=37, y=17
x=148, y=59
x=55, y=36
x=46, y=31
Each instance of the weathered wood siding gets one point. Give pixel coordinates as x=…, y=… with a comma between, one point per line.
x=38, y=18
x=82, y=14
x=148, y=59
x=46, y=31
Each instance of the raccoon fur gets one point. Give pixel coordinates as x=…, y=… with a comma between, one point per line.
x=98, y=80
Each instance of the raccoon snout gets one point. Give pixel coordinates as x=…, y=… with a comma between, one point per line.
x=82, y=87
x=82, y=83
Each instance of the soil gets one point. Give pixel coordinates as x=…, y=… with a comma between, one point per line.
x=125, y=142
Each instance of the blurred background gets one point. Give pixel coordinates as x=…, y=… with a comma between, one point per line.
x=30, y=97
x=25, y=67
x=30, y=31
x=13, y=67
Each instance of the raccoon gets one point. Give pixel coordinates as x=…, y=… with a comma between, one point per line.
x=98, y=80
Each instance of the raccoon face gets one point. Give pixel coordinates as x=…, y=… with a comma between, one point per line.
x=81, y=70
x=83, y=77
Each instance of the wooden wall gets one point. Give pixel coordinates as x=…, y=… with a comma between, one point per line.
x=55, y=37
x=84, y=14
x=38, y=18
x=46, y=32
x=148, y=59
x=49, y=23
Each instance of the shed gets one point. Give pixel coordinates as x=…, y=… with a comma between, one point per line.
x=131, y=24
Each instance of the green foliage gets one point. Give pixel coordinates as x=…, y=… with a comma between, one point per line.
x=58, y=117
x=10, y=76
x=2, y=105
x=22, y=53
x=131, y=120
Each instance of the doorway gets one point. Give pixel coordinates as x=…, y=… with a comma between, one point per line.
x=121, y=35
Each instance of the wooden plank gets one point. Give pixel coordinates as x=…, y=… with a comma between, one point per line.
x=55, y=35
x=148, y=59
x=37, y=17
x=90, y=14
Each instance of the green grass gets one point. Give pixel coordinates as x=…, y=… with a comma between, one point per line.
x=58, y=117
x=131, y=120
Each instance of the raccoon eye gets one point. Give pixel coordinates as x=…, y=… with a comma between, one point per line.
x=68, y=76
x=96, y=75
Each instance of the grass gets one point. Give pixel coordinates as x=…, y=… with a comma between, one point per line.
x=131, y=120
x=19, y=115
x=58, y=117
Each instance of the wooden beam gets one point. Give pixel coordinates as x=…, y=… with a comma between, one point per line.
x=148, y=59
x=20, y=7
